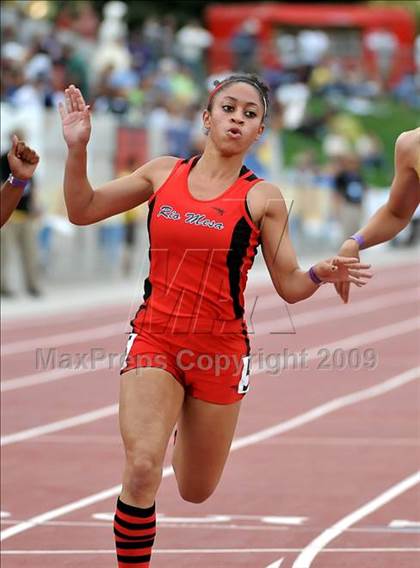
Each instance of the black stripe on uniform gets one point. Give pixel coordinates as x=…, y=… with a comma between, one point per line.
x=245, y=334
x=134, y=545
x=237, y=250
x=147, y=283
x=251, y=177
x=133, y=559
x=135, y=511
x=133, y=538
x=134, y=526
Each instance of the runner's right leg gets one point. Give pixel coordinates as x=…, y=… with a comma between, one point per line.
x=150, y=402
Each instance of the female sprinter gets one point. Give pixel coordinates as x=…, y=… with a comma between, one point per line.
x=187, y=360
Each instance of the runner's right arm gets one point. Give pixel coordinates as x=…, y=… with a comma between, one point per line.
x=86, y=205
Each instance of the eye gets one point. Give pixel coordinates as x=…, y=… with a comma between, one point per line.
x=250, y=114
x=227, y=108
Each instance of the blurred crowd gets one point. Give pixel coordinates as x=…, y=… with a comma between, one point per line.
x=163, y=64
x=156, y=76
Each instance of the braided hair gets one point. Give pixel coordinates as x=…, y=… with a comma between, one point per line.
x=252, y=80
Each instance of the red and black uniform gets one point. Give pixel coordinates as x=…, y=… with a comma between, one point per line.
x=200, y=253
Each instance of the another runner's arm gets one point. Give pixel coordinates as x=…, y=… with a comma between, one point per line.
x=291, y=282
x=403, y=200
x=22, y=164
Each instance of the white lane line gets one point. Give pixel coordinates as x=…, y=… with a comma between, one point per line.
x=373, y=336
x=162, y=518
x=219, y=526
x=286, y=325
x=274, y=300
x=282, y=325
x=50, y=376
x=304, y=560
x=64, y=317
x=60, y=425
x=206, y=551
x=328, y=408
x=238, y=443
x=84, y=334
x=404, y=524
x=385, y=332
x=69, y=338
x=267, y=327
x=384, y=279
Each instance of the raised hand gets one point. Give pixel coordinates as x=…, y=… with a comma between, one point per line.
x=342, y=269
x=22, y=159
x=75, y=118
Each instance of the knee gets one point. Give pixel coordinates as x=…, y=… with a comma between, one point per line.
x=196, y=495
x=142, y=471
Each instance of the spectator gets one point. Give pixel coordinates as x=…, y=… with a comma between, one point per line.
x=313, y=45
x=244, y=46
x=349, y=188
x=383, y=44
x=192, y=42
x=370, y=150
x=152, y=36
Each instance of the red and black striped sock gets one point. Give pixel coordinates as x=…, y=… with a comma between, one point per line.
x=134, y=530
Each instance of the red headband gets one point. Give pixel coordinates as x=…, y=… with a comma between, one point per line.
x=214, y=91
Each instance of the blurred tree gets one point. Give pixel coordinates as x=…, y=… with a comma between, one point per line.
x=412, y=5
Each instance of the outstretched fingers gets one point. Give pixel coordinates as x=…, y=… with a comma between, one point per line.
x=79, y=101
x=350, y=263
x=69, y=101
x=360, y=274
x=73, y=102
x=359, y=283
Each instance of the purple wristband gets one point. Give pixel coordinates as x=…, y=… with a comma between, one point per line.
x=314, y=277
x=16, y=182
x=359, y=239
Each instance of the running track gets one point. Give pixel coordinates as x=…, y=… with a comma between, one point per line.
x=324, y=467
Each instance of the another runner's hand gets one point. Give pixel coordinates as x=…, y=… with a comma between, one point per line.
x=349, y=248
x=343, y=269
x=22, y=159
x=75, y=118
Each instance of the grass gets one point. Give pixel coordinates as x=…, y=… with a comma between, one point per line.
x=390, y=119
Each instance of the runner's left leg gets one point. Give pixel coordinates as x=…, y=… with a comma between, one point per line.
x=204, y=435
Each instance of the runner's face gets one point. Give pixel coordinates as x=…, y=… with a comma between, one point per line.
x=235, y=121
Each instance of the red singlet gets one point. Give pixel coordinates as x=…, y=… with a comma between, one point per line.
x=200, y=253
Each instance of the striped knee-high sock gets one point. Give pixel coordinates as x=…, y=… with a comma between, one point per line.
x=134, y=530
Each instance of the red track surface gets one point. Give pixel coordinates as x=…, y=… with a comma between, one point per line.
x=321, y=470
